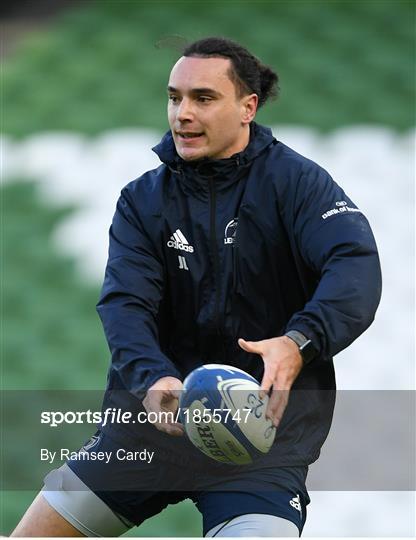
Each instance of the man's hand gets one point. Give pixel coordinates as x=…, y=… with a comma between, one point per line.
x=282, y=364
x=163, y=396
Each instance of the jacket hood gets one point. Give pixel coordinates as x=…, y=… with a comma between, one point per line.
x=260, y=138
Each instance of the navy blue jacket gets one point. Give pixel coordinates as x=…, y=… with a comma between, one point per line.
x=251, y=246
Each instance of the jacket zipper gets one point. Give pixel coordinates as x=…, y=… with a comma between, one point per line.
x=214, y=247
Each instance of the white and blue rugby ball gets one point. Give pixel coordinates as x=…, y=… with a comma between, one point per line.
x=233, y=429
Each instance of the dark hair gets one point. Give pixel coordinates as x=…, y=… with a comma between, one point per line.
x=248, y=73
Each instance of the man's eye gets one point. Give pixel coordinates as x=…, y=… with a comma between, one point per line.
x=204, y=99
x=173, y=99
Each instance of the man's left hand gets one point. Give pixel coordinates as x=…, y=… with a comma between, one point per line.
x=163, y=397
x=282, y=364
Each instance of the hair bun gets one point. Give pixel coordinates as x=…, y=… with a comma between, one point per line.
x=268, y=84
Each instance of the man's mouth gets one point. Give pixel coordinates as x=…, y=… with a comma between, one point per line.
x=188, y=135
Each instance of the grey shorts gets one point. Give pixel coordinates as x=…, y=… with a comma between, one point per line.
x=74, y=501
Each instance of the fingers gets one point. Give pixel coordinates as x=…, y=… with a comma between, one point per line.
x=176, y=393
x=279, y=396
x=251, y=346
x=170, y=427
x=174, y=429
x=164, y=404
x=158, y=400
x=152, y=401
x=277, y=405
x=267, y=381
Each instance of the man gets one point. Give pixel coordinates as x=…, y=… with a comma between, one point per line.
x=236, y=250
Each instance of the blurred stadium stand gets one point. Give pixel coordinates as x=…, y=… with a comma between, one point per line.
x=22, y=17
x=84, y=99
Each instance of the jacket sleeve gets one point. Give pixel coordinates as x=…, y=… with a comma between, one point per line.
x=334, y=240
x=130, y=299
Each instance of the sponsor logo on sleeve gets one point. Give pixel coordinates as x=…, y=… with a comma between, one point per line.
x=341, y=208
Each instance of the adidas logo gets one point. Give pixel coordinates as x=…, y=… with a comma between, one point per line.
x=178, y=241
x=295, y=502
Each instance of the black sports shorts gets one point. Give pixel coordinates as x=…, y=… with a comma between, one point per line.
x=137, y=489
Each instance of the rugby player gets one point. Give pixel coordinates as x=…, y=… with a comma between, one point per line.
x=236, y=250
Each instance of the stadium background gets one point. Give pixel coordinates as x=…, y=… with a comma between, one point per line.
x=84, y=99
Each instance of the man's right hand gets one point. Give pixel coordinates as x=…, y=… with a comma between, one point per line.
x=163, y=396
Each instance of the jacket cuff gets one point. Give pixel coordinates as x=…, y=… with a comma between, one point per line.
x=309, y=334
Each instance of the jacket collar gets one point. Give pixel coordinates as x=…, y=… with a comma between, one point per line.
x=260, y=138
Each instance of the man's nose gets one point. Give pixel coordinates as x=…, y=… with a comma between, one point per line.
x=185, y=110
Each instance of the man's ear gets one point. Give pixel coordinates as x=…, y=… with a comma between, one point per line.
x=249, y=108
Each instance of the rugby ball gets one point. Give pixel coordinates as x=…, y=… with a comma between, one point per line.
x=224, y=416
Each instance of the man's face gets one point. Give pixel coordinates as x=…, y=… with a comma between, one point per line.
x=206, y=116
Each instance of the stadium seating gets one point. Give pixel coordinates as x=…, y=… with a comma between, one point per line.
x=84, y=100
